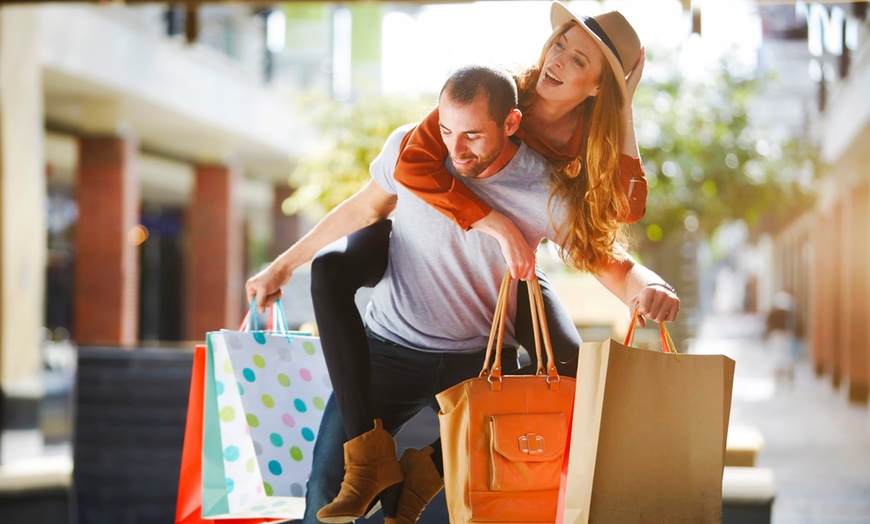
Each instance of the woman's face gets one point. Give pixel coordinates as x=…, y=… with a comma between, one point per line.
x=571, y=69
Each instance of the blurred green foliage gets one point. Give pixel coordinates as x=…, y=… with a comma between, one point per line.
x=349, y=137
x=708, y=163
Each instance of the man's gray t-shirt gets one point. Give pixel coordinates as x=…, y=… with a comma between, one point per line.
x=440, y=288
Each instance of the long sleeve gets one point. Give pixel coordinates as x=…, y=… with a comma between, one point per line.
x=632, y=181
x=421, y=170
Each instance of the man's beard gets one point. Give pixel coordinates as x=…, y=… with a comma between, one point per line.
x=479, y=165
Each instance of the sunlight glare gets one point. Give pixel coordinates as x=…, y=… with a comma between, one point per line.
x=423, y=44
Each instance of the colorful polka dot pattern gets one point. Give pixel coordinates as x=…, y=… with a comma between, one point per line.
x=243, y=485
x=283, y=384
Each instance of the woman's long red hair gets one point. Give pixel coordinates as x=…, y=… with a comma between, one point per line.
x=588, y=184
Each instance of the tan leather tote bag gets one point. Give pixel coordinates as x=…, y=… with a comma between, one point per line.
x=504, y=437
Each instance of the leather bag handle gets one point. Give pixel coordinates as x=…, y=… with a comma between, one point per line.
x=536, y=298
x=493, y=369
x=668, y=345
x=496, y=332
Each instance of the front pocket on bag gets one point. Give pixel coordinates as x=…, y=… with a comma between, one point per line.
x=526, y=450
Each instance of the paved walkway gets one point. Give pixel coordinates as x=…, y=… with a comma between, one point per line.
x=816, y=443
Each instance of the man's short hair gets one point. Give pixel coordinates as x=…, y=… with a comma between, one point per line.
x=464, y=86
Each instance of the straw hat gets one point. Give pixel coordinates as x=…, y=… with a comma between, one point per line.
x=613, y=34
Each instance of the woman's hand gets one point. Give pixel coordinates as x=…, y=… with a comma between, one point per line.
x=633, y=78
x=656, y=302
x=518, y=256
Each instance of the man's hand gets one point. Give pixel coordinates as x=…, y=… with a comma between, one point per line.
x=657, y=303
x=266, y=285
x=518, y=256
x=365, y=207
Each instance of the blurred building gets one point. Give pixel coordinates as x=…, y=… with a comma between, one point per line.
x=145, y=155
x=821, y=52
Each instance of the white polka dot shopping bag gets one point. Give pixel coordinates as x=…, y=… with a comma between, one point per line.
x=264, y=397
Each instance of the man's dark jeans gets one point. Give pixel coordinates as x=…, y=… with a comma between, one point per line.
x=404, y=381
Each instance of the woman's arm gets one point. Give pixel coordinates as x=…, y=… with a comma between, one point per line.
x=633, y=183
x=631, y=173
x=639, y=287
x=629, y=146
x=421, y=170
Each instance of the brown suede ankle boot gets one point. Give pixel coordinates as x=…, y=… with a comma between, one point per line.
x=422, y=483
x=370, y=465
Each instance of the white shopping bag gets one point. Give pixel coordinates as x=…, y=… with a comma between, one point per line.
x=270, y=388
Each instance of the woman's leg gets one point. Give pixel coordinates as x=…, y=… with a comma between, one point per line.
x=337, y=272
x=563, y=333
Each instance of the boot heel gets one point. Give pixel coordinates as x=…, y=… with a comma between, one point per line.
x=376, y=505
x=422, y=483
x=370, y=466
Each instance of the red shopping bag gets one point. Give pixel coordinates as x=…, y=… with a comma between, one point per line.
x=188, y=509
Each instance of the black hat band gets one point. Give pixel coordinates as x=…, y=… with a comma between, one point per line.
x=593, y=26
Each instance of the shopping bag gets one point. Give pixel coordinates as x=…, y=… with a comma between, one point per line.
x=503, y=437
x=188, y=509
x=264, y=397
x=648, y=435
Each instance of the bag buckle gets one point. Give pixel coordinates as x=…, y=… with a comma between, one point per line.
x=531, y=444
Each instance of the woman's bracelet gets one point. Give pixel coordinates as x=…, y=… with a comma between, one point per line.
x=664, y=285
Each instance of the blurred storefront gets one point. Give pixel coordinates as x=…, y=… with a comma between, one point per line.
x=142, y=161
x=821, y=256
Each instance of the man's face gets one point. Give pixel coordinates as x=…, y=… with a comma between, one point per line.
x=474, y=141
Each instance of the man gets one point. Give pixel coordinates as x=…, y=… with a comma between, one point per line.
x=430, y=315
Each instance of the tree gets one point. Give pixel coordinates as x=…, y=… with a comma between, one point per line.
x=708, y=163
x=350, y=137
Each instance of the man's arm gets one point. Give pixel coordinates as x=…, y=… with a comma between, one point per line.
x=640, y=288
x=366, y=207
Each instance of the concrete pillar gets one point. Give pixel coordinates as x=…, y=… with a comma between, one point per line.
x=836, y=251
x=216, y=251
x=817, y=324
x=824, y=292
x=23, y=248
x=106, y=281
x=857, y=304
x=847, y=292
x=803, y=287
x=286, y=228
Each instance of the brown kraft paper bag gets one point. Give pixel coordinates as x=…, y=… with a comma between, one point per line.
x=648, y=436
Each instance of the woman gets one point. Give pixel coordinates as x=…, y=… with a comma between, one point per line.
x=562, y=120
x=576, y=104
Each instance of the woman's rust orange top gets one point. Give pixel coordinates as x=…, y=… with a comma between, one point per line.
x=421, y=169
